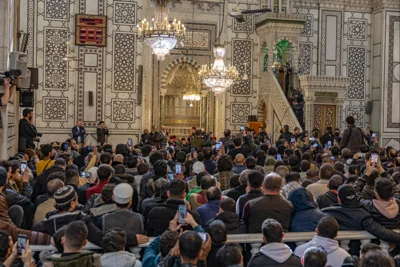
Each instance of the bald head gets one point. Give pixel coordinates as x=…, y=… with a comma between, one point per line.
x=119, y=158
x=272, y=183
x=239, y=159
x=54, y=185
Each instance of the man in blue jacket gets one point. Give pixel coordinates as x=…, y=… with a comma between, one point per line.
x=161, y=246
x=79, y=132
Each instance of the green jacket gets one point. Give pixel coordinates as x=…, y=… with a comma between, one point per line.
x=84, y=259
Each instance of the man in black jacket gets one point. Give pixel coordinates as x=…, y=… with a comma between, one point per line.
x=27, y=131
x=330, y=198
x=227, y=215
x=352, y=138
x=352, y=217
x=239, y=190
x=40, y=187
x=161, y=215
x=274, y=253
x=254, y=183
x=268, y=206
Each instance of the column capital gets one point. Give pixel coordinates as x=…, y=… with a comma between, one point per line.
x=163, y=91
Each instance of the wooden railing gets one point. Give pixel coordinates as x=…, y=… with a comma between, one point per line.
x=256, y=240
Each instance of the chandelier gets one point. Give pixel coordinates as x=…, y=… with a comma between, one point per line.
x=191, y=92
x=159, y=34
x=217, y=76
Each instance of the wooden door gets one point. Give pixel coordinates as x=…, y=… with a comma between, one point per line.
x=324, y=116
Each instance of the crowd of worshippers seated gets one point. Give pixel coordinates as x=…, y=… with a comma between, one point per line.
x=190, y=198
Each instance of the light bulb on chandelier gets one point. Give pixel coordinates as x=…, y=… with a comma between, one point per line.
x=159, y=34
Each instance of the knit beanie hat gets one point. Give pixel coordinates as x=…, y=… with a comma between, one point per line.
x=65, y=195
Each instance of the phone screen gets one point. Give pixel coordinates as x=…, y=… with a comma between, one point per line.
x=374, y=157
x=218, y=146
x=182, y=212
x=203, y=236
x=311, y=139
x=193, y=149
x=90, y=149
x=293, y=140
x=129, y=141
x=373, y=136
x=242, y=129
x=315, y=145
x=278, y=157
x=65, y=148
x=170, y=176
x=23, y=167
x=172, y=147
x=85, y=174
x=268, y=141
x=178, y=168
x=21, y=243
x=333, y=158
x=329, y=143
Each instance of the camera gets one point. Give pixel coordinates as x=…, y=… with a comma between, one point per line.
x=11, y=74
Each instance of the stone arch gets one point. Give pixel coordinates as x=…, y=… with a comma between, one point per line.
x=173, y=64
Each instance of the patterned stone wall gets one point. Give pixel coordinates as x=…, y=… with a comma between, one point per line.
x=110, y=72
x=337, y=43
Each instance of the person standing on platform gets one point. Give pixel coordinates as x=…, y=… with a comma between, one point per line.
x=79, y=132
x=27, y=131
x=102, y=133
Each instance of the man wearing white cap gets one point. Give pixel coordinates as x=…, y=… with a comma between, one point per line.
x=123, y=217
x=197, y=168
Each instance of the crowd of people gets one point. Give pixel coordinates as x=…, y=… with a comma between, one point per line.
x=191, y=193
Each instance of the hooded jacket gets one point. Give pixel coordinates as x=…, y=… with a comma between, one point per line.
x=327, y=200
x=118, y=259
x=275, y=254
x=306, y=215
x=336, y=255
x=234, y=225
x=356, y=218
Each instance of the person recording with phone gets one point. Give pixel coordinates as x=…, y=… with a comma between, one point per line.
x=79, y=133
x=102, y=133
x=27, y=131
x=8, y=90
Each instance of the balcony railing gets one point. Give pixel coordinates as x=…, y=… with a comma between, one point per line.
x=256, y=240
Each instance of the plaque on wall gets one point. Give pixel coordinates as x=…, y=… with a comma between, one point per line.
x=90, y=30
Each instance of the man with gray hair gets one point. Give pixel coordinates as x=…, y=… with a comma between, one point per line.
x=268, y=206
x=239, y=190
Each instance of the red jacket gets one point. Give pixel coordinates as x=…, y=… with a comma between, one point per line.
x=95, y=189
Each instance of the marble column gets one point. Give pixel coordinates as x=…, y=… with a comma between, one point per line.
x=204, y=111
x=162, y=105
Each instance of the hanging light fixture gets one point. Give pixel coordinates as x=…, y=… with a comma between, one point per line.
x=159, y=34
x=191, y=91
x=217, y=76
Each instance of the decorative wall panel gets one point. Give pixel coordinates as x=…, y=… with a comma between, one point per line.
x=56, y=10
x=393, y=89
x=357, y=29
x=123, y=110
x=358, y=114
x=55, y=109
x=331, y=39
x=356, y=72
x=56, y=74
x=305, y=58
x=124, y=62
x=242, y=54
x=240, y=113
x=246, y=26
x=125, y=13
x=308, y=45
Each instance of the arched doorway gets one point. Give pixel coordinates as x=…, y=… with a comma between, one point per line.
x=181, y=115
